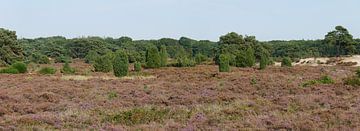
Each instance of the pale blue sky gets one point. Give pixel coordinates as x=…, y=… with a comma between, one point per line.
x=199, y=19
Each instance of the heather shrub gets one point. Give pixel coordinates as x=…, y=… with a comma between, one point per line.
x=20, y=66
x=286, y=62
x=47, y=71
x=67, y=69
x=224, y=63
x=152, y=57
x=103, y=64
x=121, y=64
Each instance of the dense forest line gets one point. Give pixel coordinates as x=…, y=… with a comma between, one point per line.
x=184, y=51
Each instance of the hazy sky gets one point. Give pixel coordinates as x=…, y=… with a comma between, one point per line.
x=198, y=19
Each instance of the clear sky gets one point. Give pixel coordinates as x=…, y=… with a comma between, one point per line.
x=198, y=19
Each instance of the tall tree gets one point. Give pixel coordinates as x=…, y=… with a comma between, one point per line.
x=342, y=40
x=10, y=50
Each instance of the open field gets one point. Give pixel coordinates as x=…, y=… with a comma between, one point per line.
x=181, y=98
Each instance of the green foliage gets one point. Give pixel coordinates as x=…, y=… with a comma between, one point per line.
x=62, y=59
x=47, y=71
x=137, y=66
x=138, y=116
x=112, y=95
x=286, y=62
x=10, y=50
x=152, y=58
x=264, y=61
x=185, y=62
x=67, y=70
x=39, y=58
x=20, y=66
x=245, y=59
x=200, y=58
x=353, y=81
x=342, y=40
x=163, y=56
x=224, y=63
x=358, y=72
x=121, y=64
x=322, y=80
x=9, y=70
x=103, y=63
x=91, y=57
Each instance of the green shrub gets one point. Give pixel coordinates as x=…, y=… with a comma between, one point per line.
x=20, y=66
x=200, y=58
x=47, y=71
x=121, y=64
x=39, y=58
x=263, y=62
x=184, y=62
x=163, y=56
x=103, y=64
x=9, y=70
x=245, y=59
x=224, y=63
x=67, y=69
x=353, y=81
x=321, y=80
x=152, y=58
x=137, y=66
x=91, y=57
x=62, y=59
x=286, y=62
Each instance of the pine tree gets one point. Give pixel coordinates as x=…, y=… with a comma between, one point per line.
x=224, y=63
x=264, y=60
x=121, y=64
x=152, y=58
x=103, y=64
x=286, y=62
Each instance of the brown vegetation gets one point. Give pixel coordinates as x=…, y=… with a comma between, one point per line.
x=182, y=98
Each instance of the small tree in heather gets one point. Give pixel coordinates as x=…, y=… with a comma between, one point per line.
x=152, y=58
x=91, y=57
x=137, y=66
x=163, y=56
x=264, y=60
x=121, y=64
x=67, y=69
x=103, y=64
x=286, y=62
x=224, y=63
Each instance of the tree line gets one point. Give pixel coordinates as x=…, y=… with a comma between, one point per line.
x=232, y=48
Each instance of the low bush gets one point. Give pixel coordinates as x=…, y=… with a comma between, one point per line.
x=286, y=62
x=353, y=81
x=47, y=71
x=20, y=66
x=321, y=80
x=184, y=62
x=67, y=70
x=200, y=58
x=9, y=70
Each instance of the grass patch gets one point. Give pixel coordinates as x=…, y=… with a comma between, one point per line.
x=47, y=71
